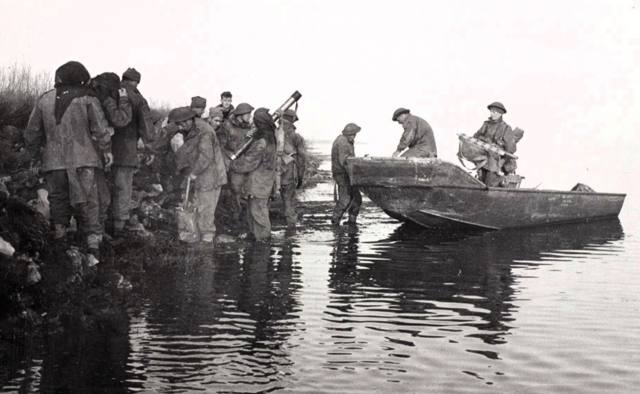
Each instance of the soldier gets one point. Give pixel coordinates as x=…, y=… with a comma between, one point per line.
x=125, y=152
x=292, y=166
x=496, y=131
x=259, y=165
x=226, y=104
x=349, y=198
x=201, y=158
x=417, y=136
x=68, y=124
x=118, y=111
x=236, y=131
x=198, y=105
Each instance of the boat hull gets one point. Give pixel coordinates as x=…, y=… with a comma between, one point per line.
x=437, y=194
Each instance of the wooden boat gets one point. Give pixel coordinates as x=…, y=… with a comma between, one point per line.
x=438, y=194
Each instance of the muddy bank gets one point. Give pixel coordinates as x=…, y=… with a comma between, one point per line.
x=51, y=288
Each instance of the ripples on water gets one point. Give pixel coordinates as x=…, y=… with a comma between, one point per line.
x=384, y=307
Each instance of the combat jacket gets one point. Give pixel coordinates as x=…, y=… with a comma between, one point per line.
x=342, y=149
x=118, y=112
x=201, y=153
x=418, y=137
x=235, y=136
x=496, y=132
x=125, y=139
x=259, y=161
x=293, y=160
x=77, y=141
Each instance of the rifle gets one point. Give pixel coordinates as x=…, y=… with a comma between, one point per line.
x=275, y=115
x=489, y=147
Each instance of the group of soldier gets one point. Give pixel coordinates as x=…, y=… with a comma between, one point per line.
x=418, y=141
x=86, y=127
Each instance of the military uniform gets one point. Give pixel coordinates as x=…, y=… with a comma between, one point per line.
x=202, y=155
x=125, y=153
x=292, y=168
x=418, y=137
x=235, y=136
x=499, y=133
x=349, y=197
x=72, y=133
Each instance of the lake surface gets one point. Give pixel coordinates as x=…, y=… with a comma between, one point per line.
x=383, y=307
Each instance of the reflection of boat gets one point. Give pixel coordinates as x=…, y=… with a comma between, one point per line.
x=435, y=193
x=452, y=277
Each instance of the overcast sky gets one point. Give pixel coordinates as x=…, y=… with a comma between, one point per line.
x=567, y=71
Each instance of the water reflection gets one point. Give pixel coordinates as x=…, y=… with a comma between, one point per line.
x=222, y=323
x=416, y=286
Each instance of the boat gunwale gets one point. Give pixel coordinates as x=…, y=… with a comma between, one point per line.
x=486, y=189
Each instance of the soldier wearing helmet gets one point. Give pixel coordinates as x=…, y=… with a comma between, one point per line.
x=235, y=133
x=292, y=165
x=349, y=197
x=495, y=131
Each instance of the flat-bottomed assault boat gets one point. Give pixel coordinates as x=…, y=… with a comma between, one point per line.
x=437, y=194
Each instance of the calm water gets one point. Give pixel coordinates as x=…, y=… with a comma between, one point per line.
x=381, y=308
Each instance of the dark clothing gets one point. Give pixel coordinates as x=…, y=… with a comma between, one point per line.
x=259, y=165
x=495, y=132
x=235, y=135
x=77, y=141
x=201, y=153
x=118, y=111
x=349, y=199
x=86, y=212
x=125, y=139
x=225, y=111
x=288, y=195
x=71, y=79
x=418, y=137
x=122, y=193
x=341, y=150
x=293, y=161
x=258, y=219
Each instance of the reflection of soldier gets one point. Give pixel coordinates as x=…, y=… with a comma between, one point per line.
x=344, y=262
x=349, y=197
x=292, y=166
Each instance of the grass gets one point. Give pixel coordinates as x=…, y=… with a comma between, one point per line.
x=19, y=88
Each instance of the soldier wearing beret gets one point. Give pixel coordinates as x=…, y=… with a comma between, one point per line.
x=417, y=137
x=496, y=131
x=198, y=105
x=349, y=197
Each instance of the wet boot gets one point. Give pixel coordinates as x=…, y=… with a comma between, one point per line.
x=352, y=220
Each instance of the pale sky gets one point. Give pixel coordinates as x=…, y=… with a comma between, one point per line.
x=567, y=71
